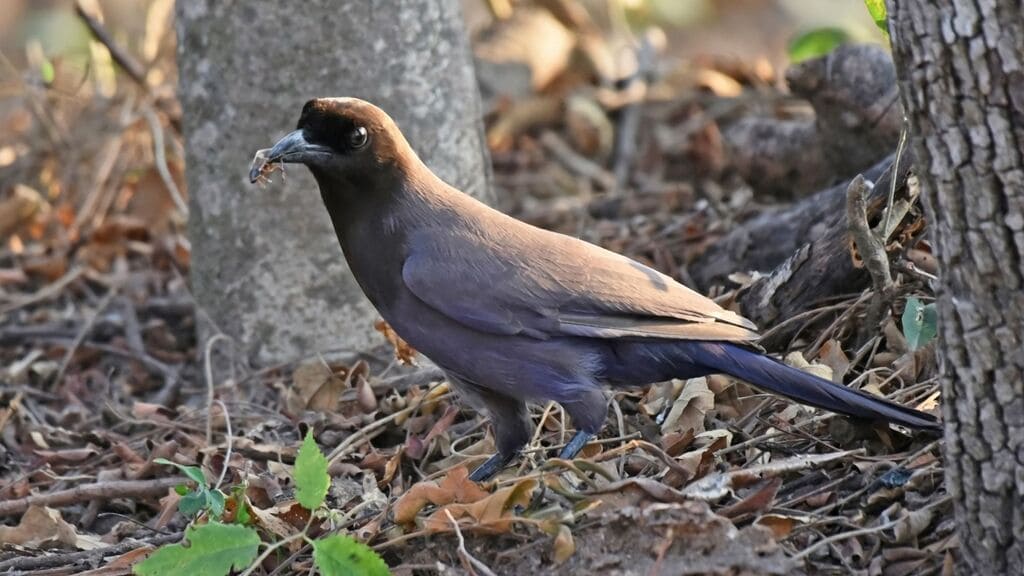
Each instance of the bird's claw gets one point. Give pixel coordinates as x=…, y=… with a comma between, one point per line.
x=490, y=467
x=579, y=440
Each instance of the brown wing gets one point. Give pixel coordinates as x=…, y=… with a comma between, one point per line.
x=514, y=278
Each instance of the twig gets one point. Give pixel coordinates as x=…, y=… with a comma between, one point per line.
x=152, y=364
x=270, y=549
x=892, y=185
x=227, y=439
x=135, y=70
x=576, y=163
x=160, y=158
x=863, y=531
x=82, y=335
x=469, y=562
x=132, y=330
x=99, y=197
x=629, y=115
x=86, y=492
x=208, y=372
x=46, y=292
x=536, y=435
x=872, y=251
x=358, y=436
x=68, y=559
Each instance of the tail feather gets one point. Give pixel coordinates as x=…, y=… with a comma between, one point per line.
x=774, y=376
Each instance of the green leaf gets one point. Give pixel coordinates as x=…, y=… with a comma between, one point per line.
x=920, y=323
x=311, y=478
x=343, y=556
x=242, y=515
x=195, y=473
x=878, y=13
x=193, y=503
x=47, y=72
x=815, y=43
x=214, y=550
x=215, y=501
x=181, y=489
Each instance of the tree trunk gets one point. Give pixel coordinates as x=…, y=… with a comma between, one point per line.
x=266, y=267
x=961, y=70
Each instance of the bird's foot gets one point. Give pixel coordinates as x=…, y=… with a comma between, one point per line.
x=490, y=467
x=575, y=445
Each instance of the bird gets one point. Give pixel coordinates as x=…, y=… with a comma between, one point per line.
x=514, y=313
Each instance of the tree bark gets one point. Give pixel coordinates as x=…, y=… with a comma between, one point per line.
x=266, y=267
x=961, y=71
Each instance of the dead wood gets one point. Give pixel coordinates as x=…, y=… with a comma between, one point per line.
x=133, y=489
x=818, y=269
x=82, y=558
x=856, y=119
x=767, y=240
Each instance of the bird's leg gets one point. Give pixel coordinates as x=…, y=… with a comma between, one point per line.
x=579, y=440
x=588, y=409
x=491, y=466
x=509, y=418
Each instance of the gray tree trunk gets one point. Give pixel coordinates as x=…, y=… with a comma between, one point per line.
x=266, y=267
x=961, y=70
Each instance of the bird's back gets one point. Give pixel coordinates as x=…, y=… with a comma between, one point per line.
x=553, y=283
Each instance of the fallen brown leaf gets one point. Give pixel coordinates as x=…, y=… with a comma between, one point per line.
x=456, y=487
x=757, y=501
x=780, y=525
x=492, y=514
x=690, y=407
x=316, y=387
x=42, y=527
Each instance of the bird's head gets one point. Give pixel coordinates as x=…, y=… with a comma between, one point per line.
x=344, y=141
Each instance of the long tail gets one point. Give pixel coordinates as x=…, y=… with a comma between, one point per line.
x=774, y=376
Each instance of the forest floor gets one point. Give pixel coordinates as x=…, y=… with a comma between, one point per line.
x=102, y=373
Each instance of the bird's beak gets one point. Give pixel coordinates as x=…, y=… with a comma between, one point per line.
x=293, y=148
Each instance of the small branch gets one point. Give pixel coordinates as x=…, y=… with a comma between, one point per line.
x=872, y=252
x=348, y=444
x=69, y=354
x=863, y=531
x=270, y=550
x=283, y=542
x=208, y=372
x=135, y=70
x=576, y=163
x=45, y=293
x=101, y=490
x=160, y=159
x=469, y=562
x=892, y=188
x=90, y=557
x=871, y=248
x=227, y=439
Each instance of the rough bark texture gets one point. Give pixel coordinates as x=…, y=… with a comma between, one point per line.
x=266, y=266
x=961, y=70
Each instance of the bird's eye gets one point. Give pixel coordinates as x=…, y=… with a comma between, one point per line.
x=358, y=137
